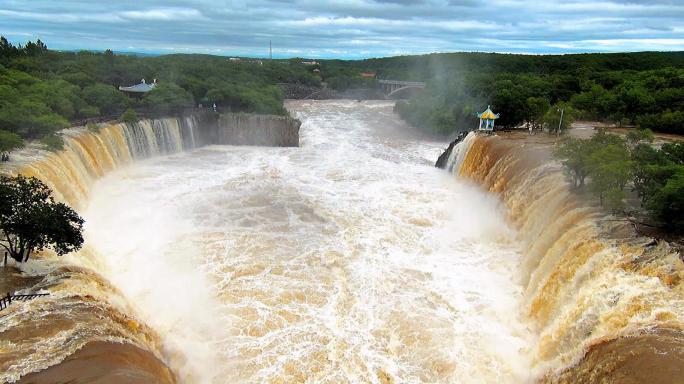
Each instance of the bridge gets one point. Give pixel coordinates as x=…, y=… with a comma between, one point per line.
x=392, y=87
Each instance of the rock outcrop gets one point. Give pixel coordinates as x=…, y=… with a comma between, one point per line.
x=443, y=159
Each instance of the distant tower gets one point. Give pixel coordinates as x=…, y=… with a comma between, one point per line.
x=270, y=50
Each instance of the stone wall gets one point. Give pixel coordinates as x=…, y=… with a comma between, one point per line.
x=263, y=130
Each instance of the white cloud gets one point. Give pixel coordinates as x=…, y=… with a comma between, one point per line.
x=350, y=28
x=167, y=14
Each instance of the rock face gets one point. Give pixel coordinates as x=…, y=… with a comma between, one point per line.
x=105, y=363
x=263, y=130
x=444, y=157
x=656, y=356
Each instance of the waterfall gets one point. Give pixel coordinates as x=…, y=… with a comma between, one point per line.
x=78, y=292
x=396, y=297
x=588, y=279
x=88, y=156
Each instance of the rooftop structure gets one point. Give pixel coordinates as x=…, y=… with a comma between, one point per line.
x=143, y=87
x=487, y=120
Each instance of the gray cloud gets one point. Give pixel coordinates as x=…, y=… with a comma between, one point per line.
x=347, y=28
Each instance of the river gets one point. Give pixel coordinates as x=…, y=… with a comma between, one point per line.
x=348, y=259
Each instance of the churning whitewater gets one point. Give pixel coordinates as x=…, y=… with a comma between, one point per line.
x=349, y=259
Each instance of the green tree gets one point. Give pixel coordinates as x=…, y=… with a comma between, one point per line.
x=552, y=117
x=574, y=155
x=31, y=220
x=637, y=136
x=645, y=163
x=674, y=152
x=9, y=141
x=30, y=118
x=536, y=108
x=107, y=99
x=53, y=142
x=130, y=116
x=168, y=98
x=610, y=169
x=667, y=203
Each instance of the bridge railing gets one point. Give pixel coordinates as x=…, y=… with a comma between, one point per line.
x=403, y=83
x=6, y=300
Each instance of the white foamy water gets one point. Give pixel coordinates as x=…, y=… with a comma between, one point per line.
x=348, y=260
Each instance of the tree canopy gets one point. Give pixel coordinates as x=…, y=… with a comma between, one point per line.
x=613, y=164
x=31, y=220
x=42, y=91
x=645, y=88
x=9, y=141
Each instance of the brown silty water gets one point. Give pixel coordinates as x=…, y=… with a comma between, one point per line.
x=591, y=285
x=349, y=259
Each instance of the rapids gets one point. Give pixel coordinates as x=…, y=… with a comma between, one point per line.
x=348, y=259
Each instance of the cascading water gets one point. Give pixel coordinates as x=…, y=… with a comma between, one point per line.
x=586, y=279
x=318, y=263
x=83, y=307
x=349, y=259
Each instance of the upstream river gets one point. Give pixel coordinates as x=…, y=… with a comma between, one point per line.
x=350, y=259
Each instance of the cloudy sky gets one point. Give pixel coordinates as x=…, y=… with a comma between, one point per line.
x=347, y=28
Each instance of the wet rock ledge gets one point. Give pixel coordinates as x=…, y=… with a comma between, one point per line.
x=262, y=130
x=444, y=157
x=105, y=363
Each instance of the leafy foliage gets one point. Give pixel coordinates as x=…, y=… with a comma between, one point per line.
x=168, y=97
x=53, y=142
x=609, y=167
x=560, y=115
x=639, y=88
x=574, y=155
x=41, y=91
x=30, y=219
x=10, y=141
x=611, y=163
x=129, y=116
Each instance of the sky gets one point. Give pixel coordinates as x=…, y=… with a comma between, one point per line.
x=349, y=29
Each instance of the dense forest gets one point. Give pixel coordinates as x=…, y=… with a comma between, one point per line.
x=644, y=89
x=42, y=91
x=608, y=165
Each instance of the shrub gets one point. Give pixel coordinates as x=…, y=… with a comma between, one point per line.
x=92, y=127
x=10, y=141
x=89, y=111
x=130, y=116
x=53, y=142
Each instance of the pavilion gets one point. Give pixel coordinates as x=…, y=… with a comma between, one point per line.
x=139, y=89
x=487, y=120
